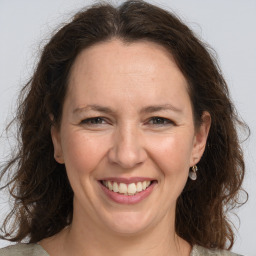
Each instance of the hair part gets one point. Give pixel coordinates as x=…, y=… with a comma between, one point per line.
x=43, y=198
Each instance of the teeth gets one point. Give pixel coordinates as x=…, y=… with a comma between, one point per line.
x=126, y=189
x=144, y=185
x=139, y=187
x=109, y=185
x=115, y=187
x=132, y=189
x=122, y=188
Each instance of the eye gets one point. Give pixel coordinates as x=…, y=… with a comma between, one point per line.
x=156, y=120
x=93, y=121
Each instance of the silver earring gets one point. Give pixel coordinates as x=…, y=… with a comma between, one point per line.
x=192, y=173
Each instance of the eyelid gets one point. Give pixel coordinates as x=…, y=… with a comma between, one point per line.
x=104, y=121
x=87, y=120
x=166, y=120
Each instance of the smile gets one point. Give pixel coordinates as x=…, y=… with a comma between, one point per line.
x=127, y=189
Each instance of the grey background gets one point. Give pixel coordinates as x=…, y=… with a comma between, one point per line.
x=227, y=25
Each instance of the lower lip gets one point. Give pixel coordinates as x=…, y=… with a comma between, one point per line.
x=125, y=199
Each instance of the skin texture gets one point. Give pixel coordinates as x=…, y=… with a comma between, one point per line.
x=127, y=141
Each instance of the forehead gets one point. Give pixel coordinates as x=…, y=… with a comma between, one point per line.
x=116, y=69
x=116, y=56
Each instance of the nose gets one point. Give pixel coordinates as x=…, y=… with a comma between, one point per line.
x=127, y=150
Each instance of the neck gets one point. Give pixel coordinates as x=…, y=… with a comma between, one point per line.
x=86, y=238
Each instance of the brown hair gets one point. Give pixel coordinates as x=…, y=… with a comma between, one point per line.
x=43, y=197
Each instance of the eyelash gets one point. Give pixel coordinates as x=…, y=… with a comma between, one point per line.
x=164, y=121
x=93, y=121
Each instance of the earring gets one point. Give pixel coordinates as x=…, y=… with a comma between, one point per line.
x=192, y=173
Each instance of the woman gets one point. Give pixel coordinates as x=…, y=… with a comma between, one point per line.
x=128, y=142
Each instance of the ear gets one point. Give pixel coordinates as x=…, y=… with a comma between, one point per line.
x=58, y=154
x=200, y=138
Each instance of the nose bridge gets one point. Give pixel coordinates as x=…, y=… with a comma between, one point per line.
x=127, y=150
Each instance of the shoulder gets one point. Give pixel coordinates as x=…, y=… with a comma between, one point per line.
x=200, y=251
x=23, y=250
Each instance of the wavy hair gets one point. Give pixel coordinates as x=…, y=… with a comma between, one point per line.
x=43, y=198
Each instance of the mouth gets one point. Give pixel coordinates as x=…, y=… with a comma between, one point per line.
x=127, y=189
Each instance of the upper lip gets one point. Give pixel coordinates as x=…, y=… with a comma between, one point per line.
x=127, y=180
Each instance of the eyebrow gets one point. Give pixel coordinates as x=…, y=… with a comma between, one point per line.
x=145, y=110
x=95, y=108
x=156, y=108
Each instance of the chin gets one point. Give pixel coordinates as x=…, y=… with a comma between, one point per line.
x=129, y=223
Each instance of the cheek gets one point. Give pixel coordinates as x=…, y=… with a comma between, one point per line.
x=171, y=153
x=82, y=153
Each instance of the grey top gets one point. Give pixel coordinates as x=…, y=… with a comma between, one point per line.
x=23, y=250
x=37, y=250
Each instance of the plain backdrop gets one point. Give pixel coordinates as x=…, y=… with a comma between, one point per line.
x=229, y=26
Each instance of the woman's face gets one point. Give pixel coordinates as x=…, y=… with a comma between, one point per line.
x=127, y=136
